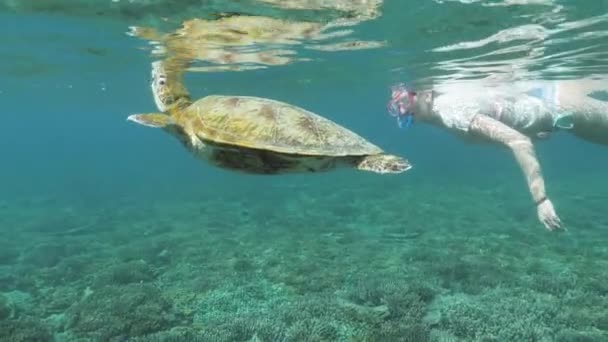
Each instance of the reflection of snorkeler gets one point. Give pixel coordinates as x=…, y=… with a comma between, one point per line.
x=512, y=115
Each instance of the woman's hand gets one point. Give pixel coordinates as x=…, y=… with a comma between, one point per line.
x=547, y=215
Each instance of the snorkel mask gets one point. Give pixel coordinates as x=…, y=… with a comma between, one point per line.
x=401, y=105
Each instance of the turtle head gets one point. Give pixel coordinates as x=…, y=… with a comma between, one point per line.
x=168, y=91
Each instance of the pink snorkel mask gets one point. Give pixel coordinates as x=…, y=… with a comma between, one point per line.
x=401, y=104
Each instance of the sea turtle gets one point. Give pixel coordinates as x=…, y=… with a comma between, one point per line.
x=257, y=135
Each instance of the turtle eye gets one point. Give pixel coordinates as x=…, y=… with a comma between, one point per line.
x=162, y=80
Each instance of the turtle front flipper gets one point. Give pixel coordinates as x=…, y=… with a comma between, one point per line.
x=383, y=163
x=155, y=120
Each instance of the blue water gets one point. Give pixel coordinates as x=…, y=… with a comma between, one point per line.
x=86, y=195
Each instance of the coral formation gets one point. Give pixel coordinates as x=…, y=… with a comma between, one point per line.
x=222, y=269
x=113, y=312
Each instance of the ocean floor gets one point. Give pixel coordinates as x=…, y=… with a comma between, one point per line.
x=329, y=262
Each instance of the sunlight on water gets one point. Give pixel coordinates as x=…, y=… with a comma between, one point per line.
x=423, y=39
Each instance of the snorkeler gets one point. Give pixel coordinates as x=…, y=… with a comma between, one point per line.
x=512, y=115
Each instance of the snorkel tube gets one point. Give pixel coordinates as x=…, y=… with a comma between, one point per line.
x=400, y=105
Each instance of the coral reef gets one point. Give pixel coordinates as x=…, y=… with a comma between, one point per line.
x=24, y=330
x=305, y=267
x=118, y=312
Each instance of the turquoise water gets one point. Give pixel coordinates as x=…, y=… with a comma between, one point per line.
x=110, y=231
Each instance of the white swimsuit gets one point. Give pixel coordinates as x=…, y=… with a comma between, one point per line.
x=531, y=110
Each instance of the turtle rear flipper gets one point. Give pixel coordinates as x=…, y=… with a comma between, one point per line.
x=383, y=163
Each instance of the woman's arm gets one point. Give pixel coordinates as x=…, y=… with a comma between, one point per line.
x=523, y=149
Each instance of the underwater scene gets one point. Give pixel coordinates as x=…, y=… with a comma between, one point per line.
x=304, y=170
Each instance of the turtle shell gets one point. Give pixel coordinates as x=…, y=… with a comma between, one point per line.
x=259, y=123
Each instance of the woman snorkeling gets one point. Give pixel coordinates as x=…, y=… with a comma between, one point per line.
x=512, y=115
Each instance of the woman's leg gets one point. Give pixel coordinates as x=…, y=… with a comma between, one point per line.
x=591, y=121
x=589, y=115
